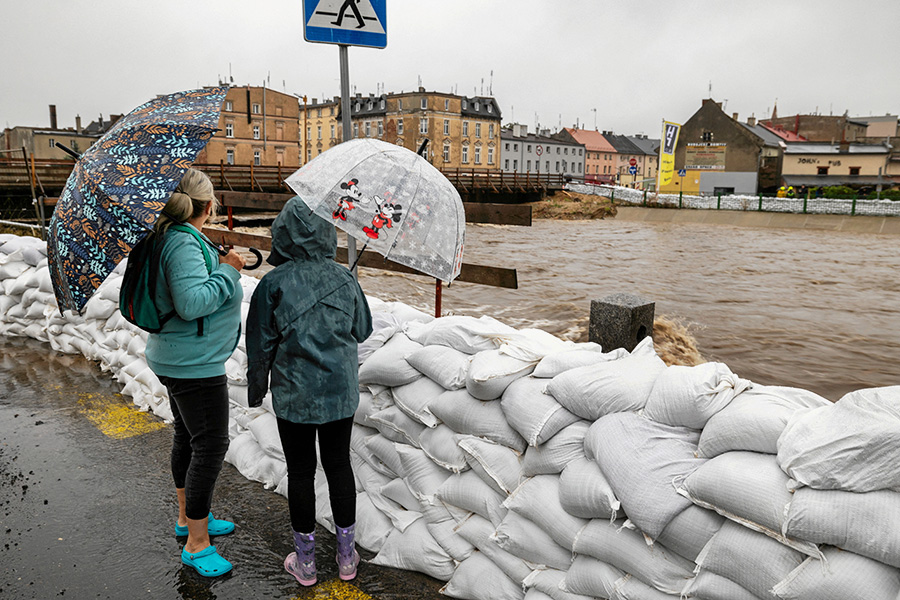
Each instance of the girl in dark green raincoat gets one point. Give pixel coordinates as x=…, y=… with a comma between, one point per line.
x=306, y=318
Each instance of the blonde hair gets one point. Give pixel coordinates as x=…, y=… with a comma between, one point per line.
x=189, y=200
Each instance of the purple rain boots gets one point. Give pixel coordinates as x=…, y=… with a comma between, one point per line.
x=347, y=556
x=302, y=562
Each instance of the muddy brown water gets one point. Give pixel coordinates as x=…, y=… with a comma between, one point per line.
x=812, y=309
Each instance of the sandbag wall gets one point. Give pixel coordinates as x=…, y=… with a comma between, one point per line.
x=512, y=464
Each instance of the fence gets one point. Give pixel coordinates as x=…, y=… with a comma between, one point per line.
x=822, y=206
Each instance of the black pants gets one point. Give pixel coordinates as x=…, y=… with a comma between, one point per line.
x=299, y=443
x=200, y=411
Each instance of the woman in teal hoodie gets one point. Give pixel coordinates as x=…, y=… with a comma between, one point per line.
x=202, y=293
x=306, y=318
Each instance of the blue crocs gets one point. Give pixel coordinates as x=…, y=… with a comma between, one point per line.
x=207, y=562
x=214, y=527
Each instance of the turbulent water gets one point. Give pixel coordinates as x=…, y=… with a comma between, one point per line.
x=812, y=309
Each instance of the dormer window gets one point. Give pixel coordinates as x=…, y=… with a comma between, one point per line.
x=477, y=106
x=356, y=107
x=424, y=104
x=490, y=108
x=465, y=104
x=382, y=103
x=369, y=105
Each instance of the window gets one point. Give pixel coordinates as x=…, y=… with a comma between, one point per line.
x=528, y=148
x=506, y=165
x=381, y=104
x=319, y=131
x=380, y=128
x=318, y=112
x=308, y=155
x=368, y=129
x=52, y=142
x=279, y=131
x=491, y=131
x=229, y=157
x=565, y=166
x=565, y=151
x=423, y=126
x=446, y=152
x=707, y=136
x=478, y=130
x=579, y=167
x=547, y=168
x=490, y=107
x=528, y=166
x=256, y=132
x=854, y=170
x=424, y=104
x=331, y=111
x=490, y=156
x=822, y=171
x=399, y=104
x=465, y=128
x=446, y=105
x=477, y=155
x=580, y=151
x=229, y=105
x=332, y=132
x=507, y=147
x=256, y=158
x=356, y=130
x=557, y=166
x=229, y=130
x=465, y=154
x=369, y=105
x=557, y=149
x=446, y=126
x=515, y=165
x=308, y=132
x=256, y=110
x=477, y=106
x=356, y=107
x=399, y=126
x=515, y=147
x=465, y=104
x=279, y=156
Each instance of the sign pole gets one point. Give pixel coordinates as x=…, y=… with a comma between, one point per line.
x=347, y=135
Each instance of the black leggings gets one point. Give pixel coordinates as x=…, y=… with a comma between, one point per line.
x=200, y=411
x=299, y=443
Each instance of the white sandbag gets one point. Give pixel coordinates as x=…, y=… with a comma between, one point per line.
x=754, y=420
x=374, y=484
x=866, y=524
x=359, y=434
x=440, y=445
x=491, y=372
x=388, y=366
x=626, y=549
x=364, y=409
x=469, y=492
x=581, y=355
x=689, y=396
x=584, y=491
x=416, y=550
x=397, y=426
x=548, y=581
x=464, y=414
x=478, y=578
x=591, y=577
x=748, y=488
x=689, y=532
x=499, y=466
x=537, y=499
x=265, y=431
x=383, y=449
x=532, y=412
x=536, y=594
x=844, y=575
x=466, y=334
x=850, y=445
x=238, y=394
x=45, y=282
x=98, y=308
x=607, y=387
x=414, y=399
x=709, y=586
x=13, y=270
x=34, y=255
x=406, y=313
x=523, y=539
x=6, y=302
x=384, y=326
x=398, y=491
x=552, y=456
x=245, y=454
x=640, y=459
x=444, y=533
x=421, y=474
x=750, y=559
x=632, y=588
x=442, y=364
x=372, y=526
x=478, y=532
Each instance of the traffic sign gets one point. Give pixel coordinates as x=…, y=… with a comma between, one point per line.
x=347, y=22
x=682, y=172
x=632, y=162
x=632, y=170
x=539, y=150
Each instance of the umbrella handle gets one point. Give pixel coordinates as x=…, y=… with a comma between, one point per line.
x=68, y=150
x=259, y=259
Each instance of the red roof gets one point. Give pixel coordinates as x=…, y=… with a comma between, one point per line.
x=592, y=140
x=788, y=136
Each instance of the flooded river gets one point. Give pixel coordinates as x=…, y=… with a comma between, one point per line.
x=812, y=309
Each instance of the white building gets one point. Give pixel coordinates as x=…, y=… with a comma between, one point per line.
x=522, y=152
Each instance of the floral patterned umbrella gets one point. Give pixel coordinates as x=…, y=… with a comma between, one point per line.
x=391, y=199
x=120, y=185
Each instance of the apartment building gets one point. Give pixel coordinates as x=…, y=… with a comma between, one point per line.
x=540, y=154
x=320, y=127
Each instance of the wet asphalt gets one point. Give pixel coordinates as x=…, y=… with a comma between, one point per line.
x=87, y=505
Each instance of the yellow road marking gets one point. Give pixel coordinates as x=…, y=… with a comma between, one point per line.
x=116, y=419
x=334, y=590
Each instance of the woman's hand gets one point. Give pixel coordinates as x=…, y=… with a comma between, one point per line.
x=234, y=259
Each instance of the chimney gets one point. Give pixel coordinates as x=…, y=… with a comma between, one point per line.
x=751, y=121
x=734, y=116
x=315, y=101
x=53, y=116
x=78, y=124
x=844, y=147
x=421, y=89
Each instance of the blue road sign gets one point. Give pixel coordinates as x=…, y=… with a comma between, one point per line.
x=682, y=172
x=632, y=170
x=349, y=22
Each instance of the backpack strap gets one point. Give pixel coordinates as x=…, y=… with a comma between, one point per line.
x=207, y=258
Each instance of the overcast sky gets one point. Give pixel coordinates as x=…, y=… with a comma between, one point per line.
x=622, y=65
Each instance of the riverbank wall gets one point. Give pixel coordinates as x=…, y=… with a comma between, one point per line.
x=737, y=218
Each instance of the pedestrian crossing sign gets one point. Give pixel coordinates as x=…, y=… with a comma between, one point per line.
x=349, y=22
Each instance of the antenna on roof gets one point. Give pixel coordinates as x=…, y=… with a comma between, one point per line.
x=491, y=85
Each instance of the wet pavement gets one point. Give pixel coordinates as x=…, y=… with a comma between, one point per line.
x=87, y=506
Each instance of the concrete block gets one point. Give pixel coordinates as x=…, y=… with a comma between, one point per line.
x=620, y=321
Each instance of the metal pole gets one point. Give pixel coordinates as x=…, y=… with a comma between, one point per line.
x=347, y=129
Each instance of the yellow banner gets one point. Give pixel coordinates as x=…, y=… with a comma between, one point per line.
x=667, y=151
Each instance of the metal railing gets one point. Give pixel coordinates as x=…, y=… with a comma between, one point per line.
x=759, y=202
